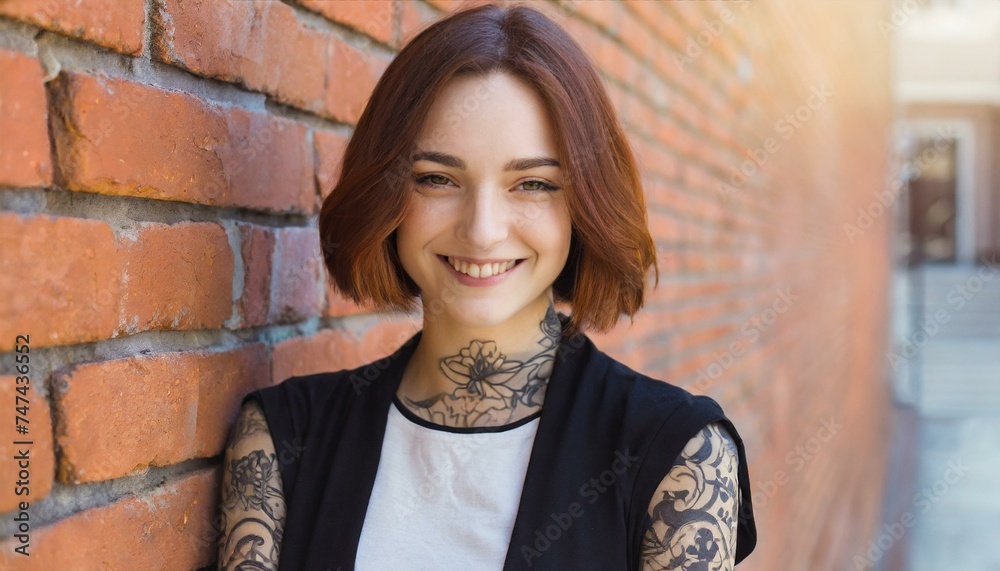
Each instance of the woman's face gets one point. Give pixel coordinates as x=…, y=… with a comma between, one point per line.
x=486, y=188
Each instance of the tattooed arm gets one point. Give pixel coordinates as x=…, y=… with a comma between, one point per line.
x=253, y=504
x=693, y=511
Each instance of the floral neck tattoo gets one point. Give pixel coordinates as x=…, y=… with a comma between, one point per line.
x=491, y=389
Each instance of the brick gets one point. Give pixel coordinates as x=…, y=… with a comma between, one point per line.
x=283, y=275
x=449, y=5
x=41, y=458
x=637, y=37
x=25, y=156
x=77, y=282
x=351, y=77
x=371, y=17
x=62, y=280
x=257, y=245
x=606, y=15
x=413, y=18
x=264, y=46
x=649, y=12
x=452, y=5
x=330, y=154
x=118, y=137
x=169, y=527
x=337, y=349
x=691, y=15
x=115, y=24
x=117, y=418
x=619, y=63
x=179, y=277
x=259, y=44
x=298, y=276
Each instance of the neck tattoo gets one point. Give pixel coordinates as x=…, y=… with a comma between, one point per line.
x=490, y=389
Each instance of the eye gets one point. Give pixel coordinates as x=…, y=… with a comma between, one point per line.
x=437, y=181
x=542, y=186
x=431, y=180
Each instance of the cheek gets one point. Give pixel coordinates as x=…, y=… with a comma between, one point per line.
x=408, y=243
x=549, y=228
x=411, y=230
x=560, y=228
x=421, y=226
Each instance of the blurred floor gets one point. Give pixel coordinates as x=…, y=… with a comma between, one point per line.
x=958, y=513
x=948, y=424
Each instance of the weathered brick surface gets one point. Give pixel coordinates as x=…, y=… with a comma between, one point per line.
x=25, y=156
x=25, y=480
x=335, y=349
x=329, y=152
x=260, y=44
x=347, y=69
x=119, y=137
x=114, y=24
x=258, y=250
x=179, y=277
x=265, y=46
x=62, y=280
x=372, y=17
x=283, y=275
x=116, y=418
x=414, y=16
x=170, y=527
x=176, y=276
x=298, y=276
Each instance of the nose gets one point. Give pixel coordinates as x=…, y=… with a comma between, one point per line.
x=484, y=220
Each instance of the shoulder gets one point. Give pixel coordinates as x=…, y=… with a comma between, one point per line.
x=300, y=405
x=650, y=405
x=250, y=425
x=639, y=389
x=710, y=445
x=678, y=437
x=638, y=411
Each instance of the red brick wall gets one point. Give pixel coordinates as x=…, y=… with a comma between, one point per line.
x=161, y=167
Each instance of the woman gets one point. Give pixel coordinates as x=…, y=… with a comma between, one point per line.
x=487, y=180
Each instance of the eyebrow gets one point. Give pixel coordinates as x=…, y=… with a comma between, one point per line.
x=512, y=165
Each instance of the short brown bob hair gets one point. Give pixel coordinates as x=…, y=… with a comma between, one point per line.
x=611, y=248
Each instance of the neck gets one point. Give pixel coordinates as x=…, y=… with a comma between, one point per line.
x=485, y=378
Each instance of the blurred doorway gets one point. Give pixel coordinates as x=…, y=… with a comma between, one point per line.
x=933, y=203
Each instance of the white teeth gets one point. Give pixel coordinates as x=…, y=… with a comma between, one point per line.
x=484, y=271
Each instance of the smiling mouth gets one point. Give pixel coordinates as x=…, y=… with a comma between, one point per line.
x=481, y=270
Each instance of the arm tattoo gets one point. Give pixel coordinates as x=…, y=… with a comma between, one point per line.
x=693, y=523
x=251, y=423
x=489, y=387
x=253, y=503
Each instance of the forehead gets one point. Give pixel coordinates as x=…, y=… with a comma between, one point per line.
x=489, y=119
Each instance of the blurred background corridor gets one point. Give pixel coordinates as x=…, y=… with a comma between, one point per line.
x=945, y=353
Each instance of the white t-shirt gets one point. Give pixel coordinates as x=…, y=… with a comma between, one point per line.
x=444, y=497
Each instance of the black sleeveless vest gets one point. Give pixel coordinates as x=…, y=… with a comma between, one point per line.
x=606, y=437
